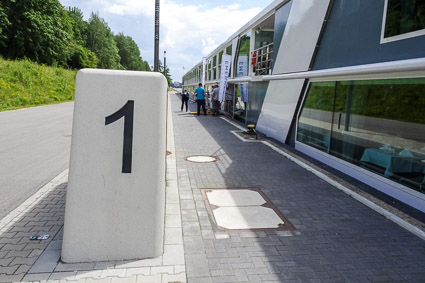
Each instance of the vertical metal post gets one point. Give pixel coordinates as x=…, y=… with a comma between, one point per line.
x=165, y=65
x=156, y=55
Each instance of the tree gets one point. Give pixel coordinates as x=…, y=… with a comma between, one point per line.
x=161, y=70
x=79, y=56
x=4, y=24
x=38, y=30
x=129, y=53
x=100, y=40
x=79, y=27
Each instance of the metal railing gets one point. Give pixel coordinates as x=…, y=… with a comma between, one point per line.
x=262, y=59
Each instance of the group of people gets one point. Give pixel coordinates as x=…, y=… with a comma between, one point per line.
x=200, y=97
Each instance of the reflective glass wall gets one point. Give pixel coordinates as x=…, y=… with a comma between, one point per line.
x=376, y=124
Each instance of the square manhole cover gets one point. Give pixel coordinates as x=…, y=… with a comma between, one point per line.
x=243, y=209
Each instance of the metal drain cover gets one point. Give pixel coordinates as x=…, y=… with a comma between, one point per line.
x=201, y=158
x=243, y=209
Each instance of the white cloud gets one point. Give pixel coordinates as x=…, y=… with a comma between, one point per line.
x=187, y=33
x=209, y=45
x=196, y=32
x=132, y=7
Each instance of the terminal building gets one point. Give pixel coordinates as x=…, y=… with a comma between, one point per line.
x=342, y=81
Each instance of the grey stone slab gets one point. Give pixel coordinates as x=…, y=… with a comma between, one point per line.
x=197, y=265
x=69, y=275
x=173, y=255
x=139, y=263
x=47, y=262
x=194, y=245
x=173, y=221
x=36, y=277
x=63, y=267
x=191, y=228
x=173, y=236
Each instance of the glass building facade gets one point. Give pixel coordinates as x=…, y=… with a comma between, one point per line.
x=378, y=125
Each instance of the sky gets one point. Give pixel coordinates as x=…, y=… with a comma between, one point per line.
x=189, y=29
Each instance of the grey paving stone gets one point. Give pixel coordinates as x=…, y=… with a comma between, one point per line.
x=149, y=279
x=173, y=221
x=63, y=276
x=8, y=270
x=46, y=262
x=138, y=263
x=36, y=277
x=6, y=261
x=173, y=255
x=11, y=278
x=199, y=280
x=197, y=266
x=26, y=261
x=63, y=267
x=166, y=278
x=194, y=245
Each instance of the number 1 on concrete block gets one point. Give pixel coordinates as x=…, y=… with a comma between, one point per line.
x=127, y=111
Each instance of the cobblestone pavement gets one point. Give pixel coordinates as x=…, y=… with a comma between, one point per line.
x=336, y=238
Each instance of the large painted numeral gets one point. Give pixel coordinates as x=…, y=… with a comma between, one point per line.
x=127, y=111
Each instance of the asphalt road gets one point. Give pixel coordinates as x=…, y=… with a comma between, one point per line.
x=34, y=148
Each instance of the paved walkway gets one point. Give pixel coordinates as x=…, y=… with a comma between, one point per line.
x=336, y=238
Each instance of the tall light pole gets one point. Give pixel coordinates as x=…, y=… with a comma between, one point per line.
x=156, y=55
x=165, y=65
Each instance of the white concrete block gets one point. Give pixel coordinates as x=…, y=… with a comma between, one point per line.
x=235, y=198
x=116, y=190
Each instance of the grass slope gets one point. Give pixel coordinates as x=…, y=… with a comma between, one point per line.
x=25, y=84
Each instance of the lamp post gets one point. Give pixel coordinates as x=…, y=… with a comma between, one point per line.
x=165, y=65
x=156, y=55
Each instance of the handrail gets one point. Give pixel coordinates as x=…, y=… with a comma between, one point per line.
x=262, y=59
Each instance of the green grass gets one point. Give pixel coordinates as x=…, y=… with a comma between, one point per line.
x=25, y=84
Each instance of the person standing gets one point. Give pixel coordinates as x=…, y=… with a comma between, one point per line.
x=215, y=101
x=199, y=95
x=185, y=99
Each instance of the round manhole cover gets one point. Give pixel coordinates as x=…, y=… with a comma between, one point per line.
x=201, y=158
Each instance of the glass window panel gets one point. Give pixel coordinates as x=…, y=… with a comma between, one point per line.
x=229, y=50
x=378, y=125
x=241, y=102
x=404, y=17
x=220, y=55
x=314, y=124
x=243, y=55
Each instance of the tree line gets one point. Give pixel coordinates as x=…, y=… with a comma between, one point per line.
x=46, y=32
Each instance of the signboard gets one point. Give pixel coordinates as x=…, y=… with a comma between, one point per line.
x=243, y=72
x=224, y=75
x=203, y=71
x=116, y=189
